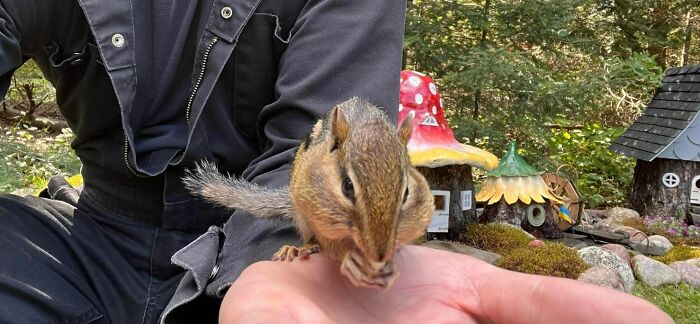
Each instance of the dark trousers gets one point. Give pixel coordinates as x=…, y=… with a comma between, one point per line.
x=80, y=262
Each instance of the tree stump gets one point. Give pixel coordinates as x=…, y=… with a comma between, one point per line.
x=455, y=179
x=649, y=196
x=517, y=214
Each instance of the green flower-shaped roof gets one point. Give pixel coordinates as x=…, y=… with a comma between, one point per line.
x=513, y=165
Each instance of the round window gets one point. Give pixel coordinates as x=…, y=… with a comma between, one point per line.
x=670, y=180
x=536, y=215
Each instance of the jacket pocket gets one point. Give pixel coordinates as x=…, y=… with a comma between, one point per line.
x=256, y=59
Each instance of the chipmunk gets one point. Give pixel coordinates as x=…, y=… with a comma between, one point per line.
x=353, y=193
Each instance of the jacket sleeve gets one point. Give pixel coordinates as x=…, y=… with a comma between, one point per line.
x=10, y=48
x=337, y=50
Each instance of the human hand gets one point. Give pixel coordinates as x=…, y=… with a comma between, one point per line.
x=433, y=287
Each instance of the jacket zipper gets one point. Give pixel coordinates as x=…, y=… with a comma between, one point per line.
x=199, y=79
x=197, y=83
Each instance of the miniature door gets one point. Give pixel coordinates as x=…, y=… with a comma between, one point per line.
x=441, y=215
x=695, y=191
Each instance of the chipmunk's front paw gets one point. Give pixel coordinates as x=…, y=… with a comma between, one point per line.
x=363, y=273
x=288, y=252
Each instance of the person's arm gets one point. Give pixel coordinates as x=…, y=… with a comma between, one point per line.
x=337, y=50
x=18, y=35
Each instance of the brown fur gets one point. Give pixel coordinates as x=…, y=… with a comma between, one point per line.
x=355, y=140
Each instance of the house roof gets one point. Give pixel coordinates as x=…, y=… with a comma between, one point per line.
x=670, y=126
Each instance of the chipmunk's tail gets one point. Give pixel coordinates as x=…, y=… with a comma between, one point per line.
x=205, y=181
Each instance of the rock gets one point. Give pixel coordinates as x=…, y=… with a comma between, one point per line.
x=690, y=273
x=633, y=234
x=653, y=245
x=620, y=250
x=535, y=243
x=518, y=228
x=594, y=256
x=618, y=214
x=603, y=276
x=654, y=273
x=598, y=213
x=695, y=262
x=463, y=249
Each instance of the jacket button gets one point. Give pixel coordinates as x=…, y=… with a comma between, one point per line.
x=118, y=40
x=226, y=12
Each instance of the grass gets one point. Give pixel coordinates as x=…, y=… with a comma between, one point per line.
x=681, y=302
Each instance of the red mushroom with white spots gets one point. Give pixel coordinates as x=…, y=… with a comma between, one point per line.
x=433, y=144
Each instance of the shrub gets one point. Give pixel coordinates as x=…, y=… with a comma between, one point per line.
x=496, y=238
x=555, y=260
x=679, y=253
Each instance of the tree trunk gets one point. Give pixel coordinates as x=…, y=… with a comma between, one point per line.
x=455, y=179
x=686, y=42
x=649, y=196
x=516, y=214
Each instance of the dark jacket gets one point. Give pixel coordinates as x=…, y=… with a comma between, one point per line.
x=278, y=65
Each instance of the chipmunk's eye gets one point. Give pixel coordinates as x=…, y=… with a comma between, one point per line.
x=405, y=195
x=348, y=189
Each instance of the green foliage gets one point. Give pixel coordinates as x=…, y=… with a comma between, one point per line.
x=679, y=253
x=496, y=238
x=551, y=259
x=603, y=177
x=681, y=302
x=30, y=157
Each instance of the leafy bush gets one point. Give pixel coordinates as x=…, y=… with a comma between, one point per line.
x=603, y=177
x=496, y=238
x=679, y=253
x=555, y=260
x=30, y=157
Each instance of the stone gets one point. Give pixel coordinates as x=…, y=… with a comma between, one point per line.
x=653, y=245
x=618, y=214
x=594, y=256
x=654, y=273
x=535, y=243
x=600, y=235
x=463, y=249
x=648, y=249
x=518, y=228
x=603, y=276
x=632, y=233
x=690, y=273
x=620, y=250
x=695, y=262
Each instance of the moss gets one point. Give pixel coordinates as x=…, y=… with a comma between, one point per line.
x=555, y=260
x=496, y=238
x=679, y=253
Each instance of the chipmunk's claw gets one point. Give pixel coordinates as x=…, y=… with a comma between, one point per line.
x=362, y=274
x=288, y=252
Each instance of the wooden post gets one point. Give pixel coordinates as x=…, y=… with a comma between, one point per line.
x=455, y=179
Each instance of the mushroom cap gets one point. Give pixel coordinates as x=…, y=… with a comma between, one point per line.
x=515, y=180
x=433, y=144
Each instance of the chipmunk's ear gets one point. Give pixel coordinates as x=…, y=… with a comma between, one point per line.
x=339, y=125
x=406, y=130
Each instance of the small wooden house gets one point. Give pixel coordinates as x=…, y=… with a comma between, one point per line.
x=665, y=140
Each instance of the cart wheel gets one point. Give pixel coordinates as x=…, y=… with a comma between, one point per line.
x=563, y=188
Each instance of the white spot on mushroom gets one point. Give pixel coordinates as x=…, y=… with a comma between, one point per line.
x=421, y=74
x=434, y=110
x=419, y=98
x=441, y=105
x=400, y=107
x=433, y=88
x=412, y=113
x=414, y=80
x=443, y=126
